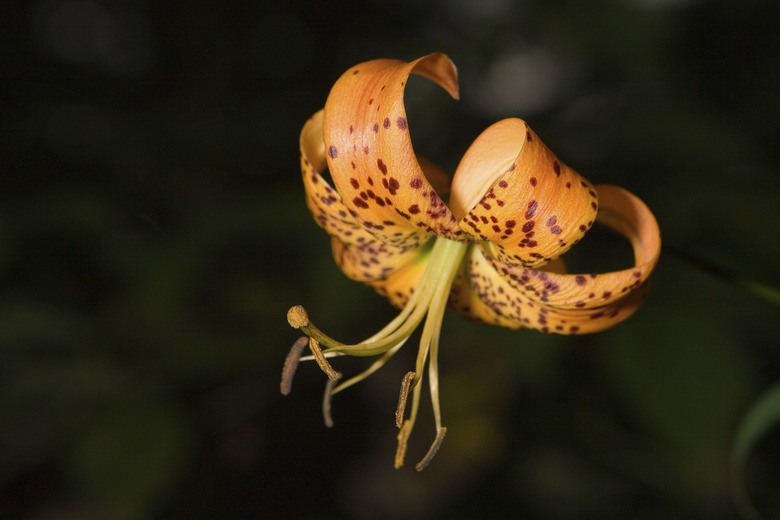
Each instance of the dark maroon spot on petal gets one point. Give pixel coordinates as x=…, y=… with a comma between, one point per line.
x=416, y=183
x=360, y=203
x=528, y=226
x=379, y=202
x=382, y=166
x=532, y=206
x=365, y=150
x=496, y=229
x=354, y=166
x=386, y=123
x=555, y=230
x=511, y=167
x=594, y=205
x=401, y=122
x=557, y=167
x=528, y=136
x=583, y=227
x=333, y=152
x=485, y=205
x=376, y=127
x=414, y=209
x=551, y=221
x=393, y=186
x=581, y=280
x=607, y=294
x=533, y=181
x=356, y=71
x=637, y=274
x=503, y=184
x=354, y=183
x=370, y=101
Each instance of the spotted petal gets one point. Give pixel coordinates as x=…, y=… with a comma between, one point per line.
x=392, y=271
x=566, y=303
x=370, y=155
x=325, y=203
x=510, y=190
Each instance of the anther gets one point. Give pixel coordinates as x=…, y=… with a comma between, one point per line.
x=403, y=439
x=432, y=451
x=326, y=400
x=406, y=386
x=291, y=363
x=297, y=317
x=319, y=357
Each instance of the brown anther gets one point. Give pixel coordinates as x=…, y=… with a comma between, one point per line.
x=291, y=363
x=432, y=451
x=297, y=317
x=319, y=357
x=326, y=400
x=406, y=385
x=403, y=438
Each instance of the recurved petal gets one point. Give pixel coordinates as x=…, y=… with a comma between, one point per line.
x=510, y=190
x=568, y=303
x=392, y=271
x=484, y=295
x=627, y=215
x=370, y=154
x=324, y=202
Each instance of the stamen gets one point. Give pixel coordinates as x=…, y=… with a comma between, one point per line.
x=291, y=363
x=440, y=433
x=403, y=439
x=314, y=345
x=429, y=297
x=406, y=385
x=326, y=400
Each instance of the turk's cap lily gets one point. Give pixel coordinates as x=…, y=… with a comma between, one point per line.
x=487, y=245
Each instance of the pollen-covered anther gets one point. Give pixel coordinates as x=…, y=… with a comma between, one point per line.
x=406, y=386
x=440, y=433
x=326, y=415
x=291, y=364
x=319, y=357
x=403, y=440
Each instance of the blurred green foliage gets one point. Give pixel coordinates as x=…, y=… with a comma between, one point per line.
x=153, y=233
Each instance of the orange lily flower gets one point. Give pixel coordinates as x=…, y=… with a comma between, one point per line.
x=490, y=252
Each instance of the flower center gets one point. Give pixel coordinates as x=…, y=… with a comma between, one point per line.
x=430, y=298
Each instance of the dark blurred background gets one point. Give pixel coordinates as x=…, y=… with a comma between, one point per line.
x=153, y=234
